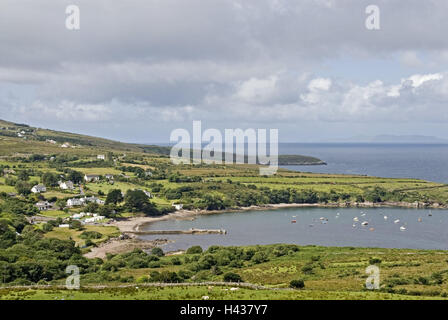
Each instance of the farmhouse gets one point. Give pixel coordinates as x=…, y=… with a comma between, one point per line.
x=101, y=157
x=177, y=206
x=43, y=205
x=38, y=188
x=91, y=177
x=74, y=202
x=109, y=176
x=66, y=185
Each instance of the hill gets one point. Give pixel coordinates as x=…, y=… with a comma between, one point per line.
x=17, y=138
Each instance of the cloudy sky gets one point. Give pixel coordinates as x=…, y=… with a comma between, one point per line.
x=138, y=69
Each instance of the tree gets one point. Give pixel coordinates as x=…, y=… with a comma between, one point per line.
x=23, y=175
x=23, y=187
x=114, y=196
x=50, y=179
x=232, y=277
x=297, y=284
x=157, y=252
x=138, y=201
x=75, y=176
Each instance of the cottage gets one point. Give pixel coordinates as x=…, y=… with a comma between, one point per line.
x=74, y=202
x=178, y=206
x=91, y=177
x=101, y=157
x=109, y=177
x=65, y=145
x=148, y=194
x=95, y=218
x=43, y=205
x=38, y=188
x=66, y=185
x=50, y=141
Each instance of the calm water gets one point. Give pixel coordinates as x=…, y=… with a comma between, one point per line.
x=274, y=226
x=423, y=161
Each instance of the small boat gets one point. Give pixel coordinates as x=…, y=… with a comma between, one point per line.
x=396, y=221
x=419, y=219
x=363, y=215
x=365, y=223
x=355, y=219
x=430, y=214
x=323, y=219
x=354, y=225
x=293, y=221
x=402, y=228
x=311, y=225
x=385, y=217
x=372, y=229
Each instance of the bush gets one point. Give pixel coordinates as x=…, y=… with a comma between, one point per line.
x=194, y=250
x=90, y=235
x=157, y=252
x=232, y=277
x=297, y=284
x=374, y=260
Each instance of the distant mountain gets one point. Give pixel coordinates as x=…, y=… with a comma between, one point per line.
x=386, y=138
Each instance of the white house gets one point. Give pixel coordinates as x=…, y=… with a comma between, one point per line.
x=38, y=188
x=178, y=206
x=101, y=157
x=109, y=176
x=66, y=185
x=148, y=194
x=74, y=202
x=43, y=205
x=95, y=218
x=91, y=177
x=50, y=141
x=65, y=145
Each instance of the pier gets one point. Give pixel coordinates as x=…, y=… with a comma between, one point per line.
x=189, y=231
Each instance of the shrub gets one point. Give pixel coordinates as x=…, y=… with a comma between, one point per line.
x=232, y=277
x=194, y=250
x=297, y=284
x=157, y=252
x=374, y=260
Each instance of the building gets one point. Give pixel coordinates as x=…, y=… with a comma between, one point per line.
x=101, y=157
x=177, y=206
x=43, y=205
x=91, y=177
x=50, y=141
x=148, y=194
x=38, y=188
x=74, y=202
x=109, y=176
x=65, y=145
x=66, y=185
x=83, y=201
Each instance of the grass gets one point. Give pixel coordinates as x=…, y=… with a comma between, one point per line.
x=138, y=292
x=67, y=233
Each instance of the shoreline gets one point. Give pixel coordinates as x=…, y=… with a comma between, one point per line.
x=135, y=224
x=129, y=226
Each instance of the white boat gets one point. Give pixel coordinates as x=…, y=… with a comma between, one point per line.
x=365, y=223
x=385, y=217
x=396, y=221
x=355, y=219
x=402, y=228
x=354, y=225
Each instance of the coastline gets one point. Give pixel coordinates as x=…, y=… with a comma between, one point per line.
x=135, y=224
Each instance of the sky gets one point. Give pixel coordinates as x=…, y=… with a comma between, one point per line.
x=138, y=69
